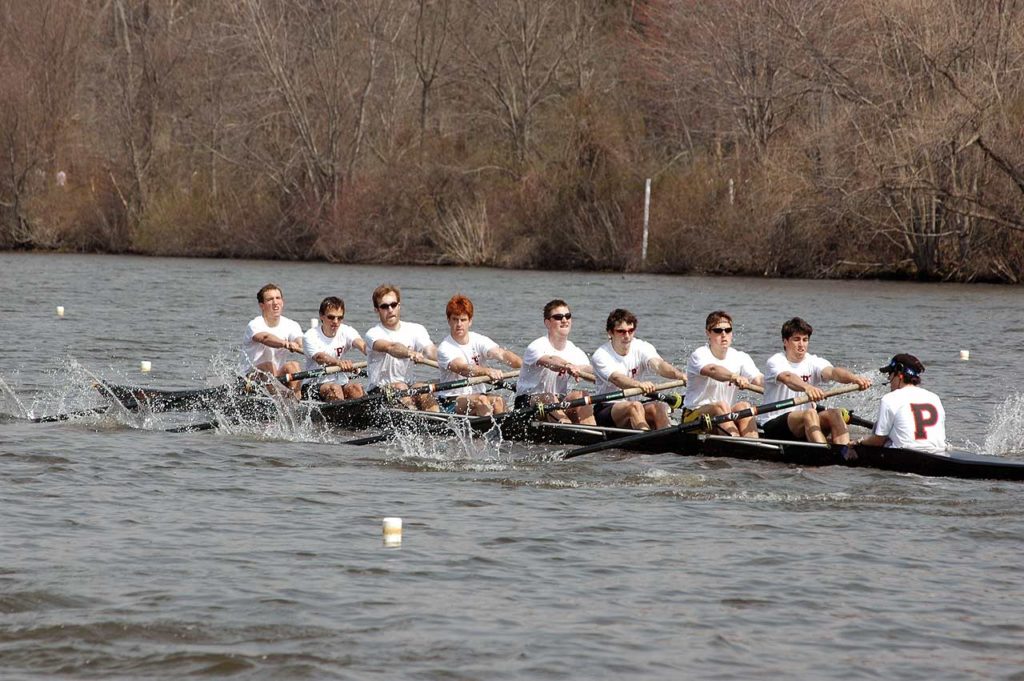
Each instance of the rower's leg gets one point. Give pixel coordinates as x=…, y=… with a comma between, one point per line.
x=292, y=368
x=353, y=390
x=656, y=414
x=629, y=415
x=833, y=424
x=747, y=427
x=805, y=424
x=427, y=403
x=331, y=392
x=717, y=409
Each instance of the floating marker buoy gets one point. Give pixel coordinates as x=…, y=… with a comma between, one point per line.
x=60, y=310
x=145, y=366
x=965, y=355
x=392, y=531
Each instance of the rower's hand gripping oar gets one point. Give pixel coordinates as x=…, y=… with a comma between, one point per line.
x=707, y=422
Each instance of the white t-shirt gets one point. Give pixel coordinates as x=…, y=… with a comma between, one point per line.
x=912, y=418
x=635, y=364
x=809, y=370
x=473, y=352
x=382, y=368
x=314, y=341
x=254, y=353
x=701, y=390
x=535, y=379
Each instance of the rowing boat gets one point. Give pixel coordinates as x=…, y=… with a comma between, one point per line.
x=239, y=404
x=953, y=464
x=367, y=414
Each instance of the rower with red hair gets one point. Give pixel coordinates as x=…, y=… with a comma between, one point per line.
x=464, y=354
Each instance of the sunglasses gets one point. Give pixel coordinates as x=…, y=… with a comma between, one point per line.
x=721, y=329
x=388, y=306
x=625, y=332
x=559, y=316
x=334, y=317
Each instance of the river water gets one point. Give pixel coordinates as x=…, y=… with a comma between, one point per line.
x=133, y=553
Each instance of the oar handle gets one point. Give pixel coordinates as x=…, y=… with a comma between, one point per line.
x=322, y=371
x=707, y=421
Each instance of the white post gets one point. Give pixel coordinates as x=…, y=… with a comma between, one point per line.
x=647, y=216
x=732, y=192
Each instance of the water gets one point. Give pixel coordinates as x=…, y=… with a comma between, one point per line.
x=134, y=553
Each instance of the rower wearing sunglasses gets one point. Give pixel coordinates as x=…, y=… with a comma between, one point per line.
x=625, y=361
x=909, y=416
x=550, y=364
x=394, y=346
x=795, y=370
x=714, y=372
x=324, y=345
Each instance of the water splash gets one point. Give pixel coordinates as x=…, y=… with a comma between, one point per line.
x=1006, y=428
x=9, y=402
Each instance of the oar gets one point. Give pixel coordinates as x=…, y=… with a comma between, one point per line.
x=322, y=371
x=391, y=395
x=707, y=422
x=541, y=408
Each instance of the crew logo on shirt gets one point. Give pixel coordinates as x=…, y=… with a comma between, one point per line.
x=925, y=416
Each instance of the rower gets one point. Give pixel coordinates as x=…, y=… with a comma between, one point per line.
x=464, y=353
x=714, y=372
x=393, y=347
x=549, y=363
x=909, y=417
x=625, y=361
x=794, y=371
x=324, y=346
x=269, y=338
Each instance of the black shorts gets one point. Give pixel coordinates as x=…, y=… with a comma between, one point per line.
x=522, y=401
x=603, y=415
x=778, y=429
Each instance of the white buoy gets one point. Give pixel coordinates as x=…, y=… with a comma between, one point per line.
x=392, y=532
x=965, y=355
x=145, y=366
x=60, y=310
x=313, y=321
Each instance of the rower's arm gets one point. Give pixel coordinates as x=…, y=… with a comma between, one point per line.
x=400, y=350
x=360, y=345
x=559, y=365
x=463, y=368
x=667, y=370
x=873, y=441
x=272, y=341
x=841, y=375
x=723, y=375
x=507, y=357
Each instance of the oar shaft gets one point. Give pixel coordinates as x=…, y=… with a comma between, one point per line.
x=541, y=408
x=453, y=385
x=322, y=371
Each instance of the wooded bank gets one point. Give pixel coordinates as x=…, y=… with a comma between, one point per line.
x=810, y=138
